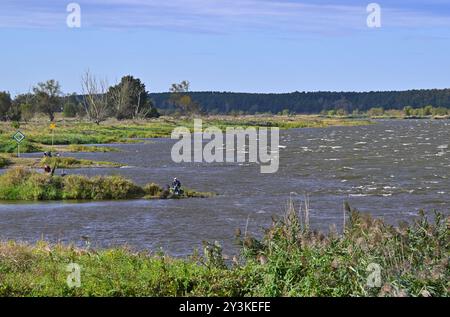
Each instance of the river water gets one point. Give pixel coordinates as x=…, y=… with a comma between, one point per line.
x=391, y=169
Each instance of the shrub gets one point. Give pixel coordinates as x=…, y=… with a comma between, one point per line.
x=77, y=187
x=114, y=187
x=153, y=190
x=42, y=187
x=14, y=176
x=4, y=162
x=21, y=184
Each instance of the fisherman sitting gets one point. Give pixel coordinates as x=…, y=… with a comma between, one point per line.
x=47, y=169
x=176, y=186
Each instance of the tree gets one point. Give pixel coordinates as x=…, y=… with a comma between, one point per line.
x=14, y=113
x=130, y=100
x=408, y=111
x=180, y=98
x=27, y=105
x=375, y=112
x=70, y=109
x=5, y=105
x=428, y=110
x=72, y=106
x=27, y=111
x=48, y=98
x=440, y=111
x=95, y=98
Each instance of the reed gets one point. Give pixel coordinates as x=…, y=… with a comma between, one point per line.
x=287, y=261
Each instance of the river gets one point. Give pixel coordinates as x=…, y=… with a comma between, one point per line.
x=391, y=169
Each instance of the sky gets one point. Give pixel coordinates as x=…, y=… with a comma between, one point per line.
x=259, y=46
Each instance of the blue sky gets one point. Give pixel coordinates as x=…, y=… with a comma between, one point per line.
x=228, y=45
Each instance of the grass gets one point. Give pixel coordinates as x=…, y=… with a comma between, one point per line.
x=89, y=149
x=70, y=162
x=10, y=146
x=72, y=134
x=19, y=184
x=290, y=260
x=61, y=162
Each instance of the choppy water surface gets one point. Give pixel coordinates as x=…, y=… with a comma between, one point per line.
x=391, y=169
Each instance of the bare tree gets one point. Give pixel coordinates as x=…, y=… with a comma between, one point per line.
x=180, y=97
x=95, y=98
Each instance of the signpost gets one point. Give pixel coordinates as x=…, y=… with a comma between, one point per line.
x=53, y=127
x=19, y=137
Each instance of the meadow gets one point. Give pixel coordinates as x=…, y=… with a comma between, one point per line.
x=72, y=134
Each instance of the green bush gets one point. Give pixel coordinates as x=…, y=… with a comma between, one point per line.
x=77, y=187
x=4, y=162
x=42, y=187
x=114, y=187
x=153, y=190
x=20, y=184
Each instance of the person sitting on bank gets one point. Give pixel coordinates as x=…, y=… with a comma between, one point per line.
x=47, y=169
x=176, y=186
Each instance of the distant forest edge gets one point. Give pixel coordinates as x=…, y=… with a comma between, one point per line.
x=130, y=99
x=307, y=102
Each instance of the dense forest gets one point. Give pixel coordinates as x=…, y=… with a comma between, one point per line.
x=129, y=99
x=308, y=102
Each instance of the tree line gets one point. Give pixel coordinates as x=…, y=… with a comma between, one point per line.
x=128, y=99
x=307, y=102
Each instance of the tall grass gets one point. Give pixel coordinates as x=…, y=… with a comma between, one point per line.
x=291, y=260
x=294, y=261
x=22, y=184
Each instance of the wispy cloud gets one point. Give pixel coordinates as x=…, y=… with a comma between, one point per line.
x=223, y=16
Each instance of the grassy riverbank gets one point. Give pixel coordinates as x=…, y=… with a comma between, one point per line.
x=12, y=161
x=69, y=134
x=19, y=184
x=290, y=260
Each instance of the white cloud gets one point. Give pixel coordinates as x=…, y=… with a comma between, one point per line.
x=217, y=16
